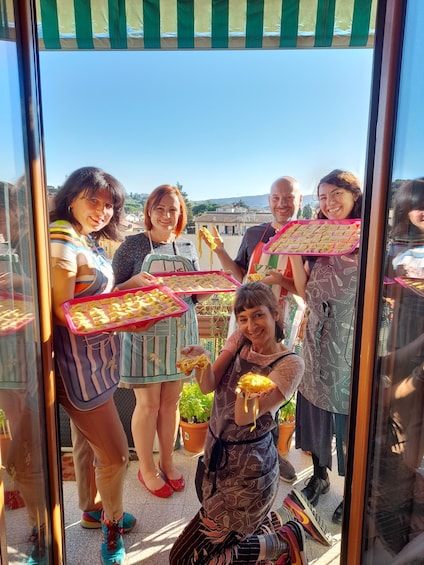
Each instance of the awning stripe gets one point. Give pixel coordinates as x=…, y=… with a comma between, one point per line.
x=151, y=20
x=360, y=23
x=50, y=24
x=6, y=18
x=289, y=24
x=203, y=24
x=220, y=22
x=325, y=23
x=83, y=24
x=117, y=24
x=185, y=24
x=254, y=24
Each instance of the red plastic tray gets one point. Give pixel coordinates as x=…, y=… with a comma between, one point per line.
x=190, y=282
x=315, y=237
x=15, y=312
x=112, y=311
x=416, y=285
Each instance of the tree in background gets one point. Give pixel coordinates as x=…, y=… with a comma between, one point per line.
x=134, y=203
x=240, y=204
x=190, y=217
x=187, y=203
x=307, y=212
x=204, y=207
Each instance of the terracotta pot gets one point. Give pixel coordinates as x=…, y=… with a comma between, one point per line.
x=285, y=437
x=212, y=326
x=194, y=436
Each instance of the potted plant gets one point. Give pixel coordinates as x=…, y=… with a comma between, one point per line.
x=4, y=426
x=213, y=315
x=286, y=421
x=195, y=411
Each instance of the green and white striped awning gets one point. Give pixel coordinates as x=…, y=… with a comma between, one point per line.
x=204, y=24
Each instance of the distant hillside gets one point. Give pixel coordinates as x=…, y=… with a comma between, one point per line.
x=258, y=201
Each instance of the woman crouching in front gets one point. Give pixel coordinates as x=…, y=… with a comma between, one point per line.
x=234, y=524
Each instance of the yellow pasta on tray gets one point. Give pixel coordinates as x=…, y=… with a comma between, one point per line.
x=416, y=285
x=316, y=237
x=15, y=313
x=118, y=310
x=198, y=282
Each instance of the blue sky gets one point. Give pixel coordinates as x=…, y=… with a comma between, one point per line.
x=221, y=123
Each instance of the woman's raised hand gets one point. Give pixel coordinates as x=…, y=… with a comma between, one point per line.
x=213, y=240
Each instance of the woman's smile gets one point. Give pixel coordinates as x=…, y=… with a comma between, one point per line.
x=258, y=326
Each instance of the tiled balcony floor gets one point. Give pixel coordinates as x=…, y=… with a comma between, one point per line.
x=161, y=520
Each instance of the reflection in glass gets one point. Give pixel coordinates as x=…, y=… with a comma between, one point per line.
x=22, y=474
x=395, y=522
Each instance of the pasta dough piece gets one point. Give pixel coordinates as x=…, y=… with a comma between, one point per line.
x=187, y=364
x=253, y=383
x=255, y=277
x=205, y=235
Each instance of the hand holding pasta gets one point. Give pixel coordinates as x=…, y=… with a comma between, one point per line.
x=207, y=237
x=255, y=277
x=188, y=364
x=251, y=385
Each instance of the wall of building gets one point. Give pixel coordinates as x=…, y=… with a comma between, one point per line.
x=231, y=243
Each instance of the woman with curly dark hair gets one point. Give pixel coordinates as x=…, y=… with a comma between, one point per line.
x=87, y=207
x=328, y=284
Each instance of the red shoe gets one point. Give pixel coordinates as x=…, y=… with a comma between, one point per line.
x=163, y=492
x=13, y=499
x=175, y=484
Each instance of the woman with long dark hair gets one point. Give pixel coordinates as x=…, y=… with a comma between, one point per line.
x=88, y=207
x=328, y=284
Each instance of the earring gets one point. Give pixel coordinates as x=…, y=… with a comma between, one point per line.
x=70, y=210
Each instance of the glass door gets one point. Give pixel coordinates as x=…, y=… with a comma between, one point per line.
x=393, y=530
x=26, y=515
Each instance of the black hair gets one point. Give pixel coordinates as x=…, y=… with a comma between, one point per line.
x=348, y=181
x=90, y=180
x=409, y=196
x=253, y=294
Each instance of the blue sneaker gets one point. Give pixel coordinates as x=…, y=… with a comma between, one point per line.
x=112, y=551
x=93, y=520
x=38, y=553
